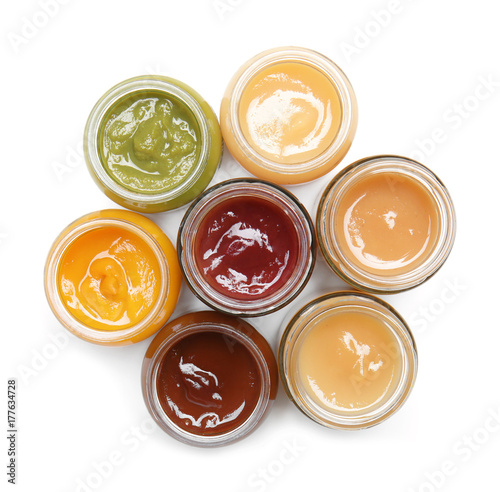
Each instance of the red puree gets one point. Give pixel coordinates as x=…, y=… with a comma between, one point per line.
x=208, y=383
x=246, y=247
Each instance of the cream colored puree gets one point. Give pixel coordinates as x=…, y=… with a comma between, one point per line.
x=386, y=224
x=349, y=362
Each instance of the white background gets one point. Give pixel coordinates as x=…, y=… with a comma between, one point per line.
x=426, y=70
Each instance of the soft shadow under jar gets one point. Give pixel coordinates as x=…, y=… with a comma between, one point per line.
x=289, y=115
x=347, y=360
x=385, y=224
x=208, y=379
x=112, y=277
x=152, y=143
x=246, y=247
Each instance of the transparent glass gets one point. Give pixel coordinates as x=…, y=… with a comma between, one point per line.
x=170, y=276
x=235, y=329
x=266, y=168
x=202, y=172
x=371, y=281
x=301, y=324
x=247, y=187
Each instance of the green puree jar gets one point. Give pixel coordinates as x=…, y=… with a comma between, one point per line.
x=152, y=144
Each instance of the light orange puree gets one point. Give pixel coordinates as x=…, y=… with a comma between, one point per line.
x=109, y=278
x=290, y=112
x=387, y=224
x=349, y=361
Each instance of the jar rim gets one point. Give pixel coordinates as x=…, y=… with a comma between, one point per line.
x=166, y=339
x=352, y=273
x=66, y=238
x=126, y=88
x=297, y=327
x=336, y=77
x=303, y=226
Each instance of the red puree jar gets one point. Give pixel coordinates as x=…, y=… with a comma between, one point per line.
x=209, y=379
x=246, y=247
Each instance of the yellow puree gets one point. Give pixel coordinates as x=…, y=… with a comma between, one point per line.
x=109, y=278
x=349, y=361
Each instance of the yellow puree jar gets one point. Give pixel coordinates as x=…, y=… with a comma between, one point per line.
x=112, y=277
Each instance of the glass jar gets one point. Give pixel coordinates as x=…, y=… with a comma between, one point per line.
x=289, y=115
x=246, y=247
x=316, y=356
x=385, y=224
x=216, y=377
x=94, y=279
x=146, y=110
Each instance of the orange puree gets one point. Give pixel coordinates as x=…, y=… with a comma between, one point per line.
x=387, y=223
x=109, y=278
x=112, y=277
x=290, y=112
x=349, y=362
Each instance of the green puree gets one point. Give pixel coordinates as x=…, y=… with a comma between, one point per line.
x=149, y=143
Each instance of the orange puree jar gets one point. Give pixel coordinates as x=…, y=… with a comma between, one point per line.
x=289, y=115
x=385, y=224
x=112, y=277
